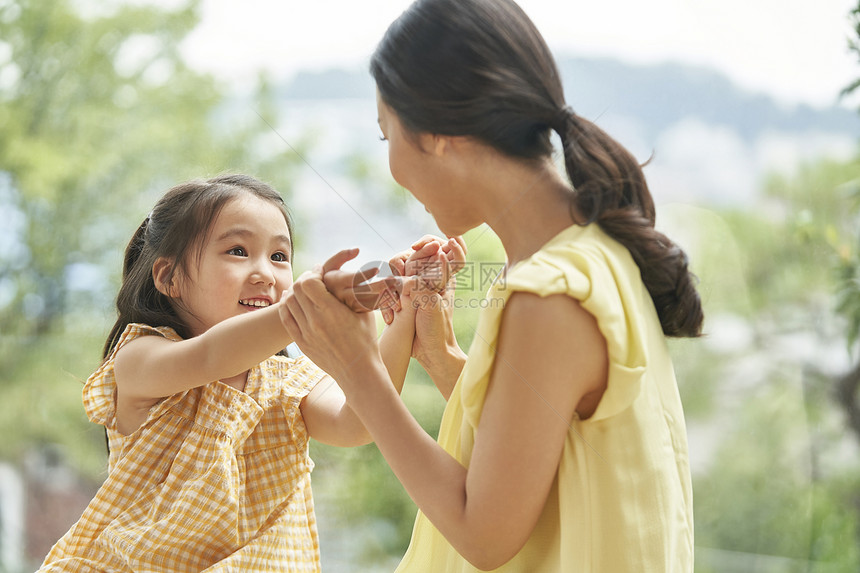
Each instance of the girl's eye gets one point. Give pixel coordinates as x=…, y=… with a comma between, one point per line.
x=238, y=251
x=280, y=257
x=383, y=138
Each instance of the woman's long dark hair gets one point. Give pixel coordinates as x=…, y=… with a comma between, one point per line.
x=176, y=227
x=480, y=68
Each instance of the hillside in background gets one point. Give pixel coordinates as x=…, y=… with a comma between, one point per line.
x=658, y=96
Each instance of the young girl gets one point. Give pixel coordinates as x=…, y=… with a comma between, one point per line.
x=563, y=445
x=208, y=431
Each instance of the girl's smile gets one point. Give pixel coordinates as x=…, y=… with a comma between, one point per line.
x=255, y=303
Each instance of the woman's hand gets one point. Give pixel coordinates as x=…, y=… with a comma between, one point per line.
x=334, y=337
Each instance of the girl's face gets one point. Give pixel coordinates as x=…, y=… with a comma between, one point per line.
x=417, y=165
x=244, y=264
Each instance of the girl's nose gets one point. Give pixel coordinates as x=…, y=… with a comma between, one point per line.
x=263, y=273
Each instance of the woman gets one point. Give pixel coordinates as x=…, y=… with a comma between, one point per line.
x=563, y=445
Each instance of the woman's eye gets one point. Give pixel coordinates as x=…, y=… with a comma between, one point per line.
x=280, y=257
x=238, y=251
x=383, y=138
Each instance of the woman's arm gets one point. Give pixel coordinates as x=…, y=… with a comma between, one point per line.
x=328, y=417
x=550, y=355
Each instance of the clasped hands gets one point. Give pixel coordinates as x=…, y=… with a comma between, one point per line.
x=327, y=311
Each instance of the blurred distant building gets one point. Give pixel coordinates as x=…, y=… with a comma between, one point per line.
x=38, y=503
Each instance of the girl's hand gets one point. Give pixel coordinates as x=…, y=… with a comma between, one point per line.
x=454, y=250
x=334, y=337
x=433, y=259
x=435, y=345
x=434, y=304
x=404, y=264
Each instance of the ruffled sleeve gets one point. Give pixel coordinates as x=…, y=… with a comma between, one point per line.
x=300, y=376
x=587, y=265
x=99, y=394
x=601, y=274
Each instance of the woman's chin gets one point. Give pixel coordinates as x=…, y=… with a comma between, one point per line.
x=453, y=230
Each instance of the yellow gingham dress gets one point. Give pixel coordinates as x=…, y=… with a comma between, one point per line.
x=214, y=480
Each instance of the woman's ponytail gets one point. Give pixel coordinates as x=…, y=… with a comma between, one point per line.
x=610, y=190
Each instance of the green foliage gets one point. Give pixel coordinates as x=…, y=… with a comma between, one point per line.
x=793, y=239
x=854, y=46
x=779, y=493
x=756, y=513
x=821, y=234
x=42, y=404
x=699, y=373
x=773, y=488
x=765, y=498
x=485, y=259
x=100, y=115
x=848, y=267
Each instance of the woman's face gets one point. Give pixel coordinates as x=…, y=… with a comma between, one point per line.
x=418, y=164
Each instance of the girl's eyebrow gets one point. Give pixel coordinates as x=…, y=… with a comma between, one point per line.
x=235, y=232
x=246, y=233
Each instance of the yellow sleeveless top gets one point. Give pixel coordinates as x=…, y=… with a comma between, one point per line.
x=215, y=479
x=622, y=497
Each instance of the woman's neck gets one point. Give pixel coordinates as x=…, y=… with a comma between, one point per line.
x=530, y=204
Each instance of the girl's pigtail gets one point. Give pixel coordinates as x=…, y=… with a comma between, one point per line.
x=610, y=189
x=132, y=255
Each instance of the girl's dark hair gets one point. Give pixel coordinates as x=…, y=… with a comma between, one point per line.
x=480, y=68
x=177, y=226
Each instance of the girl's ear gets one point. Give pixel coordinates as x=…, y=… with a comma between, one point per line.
x=164, y=278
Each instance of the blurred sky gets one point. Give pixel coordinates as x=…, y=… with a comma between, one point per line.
x=795, y=50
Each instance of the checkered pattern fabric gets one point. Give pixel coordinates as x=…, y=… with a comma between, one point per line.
x=214, y=480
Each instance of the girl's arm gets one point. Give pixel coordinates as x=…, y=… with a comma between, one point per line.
x=435, y=347
x=550, y=356
x=151, y=367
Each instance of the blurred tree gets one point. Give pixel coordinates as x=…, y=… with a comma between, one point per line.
x=774, y=490
x=815, y=243
x=847, y=249
x=854, y=46
x=848, y=270
x=100, y=114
